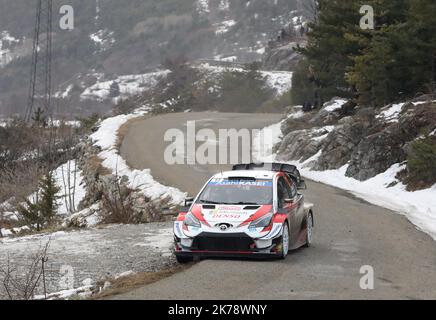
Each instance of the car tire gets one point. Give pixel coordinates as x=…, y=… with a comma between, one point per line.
x=284, y=244
x=184, y=259
x=309, y=228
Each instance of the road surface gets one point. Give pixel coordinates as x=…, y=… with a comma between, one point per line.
x=349, y=234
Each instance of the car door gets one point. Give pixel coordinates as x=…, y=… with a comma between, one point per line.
x=298, y=207
x=283, y=192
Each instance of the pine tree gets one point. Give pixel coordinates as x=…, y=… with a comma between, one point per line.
x=31, y=214
x=392, y=62
x=48, y=199
x=331, y=47
x=423, y=26
x=38, y=117
x=114, y=90
x=43, y=210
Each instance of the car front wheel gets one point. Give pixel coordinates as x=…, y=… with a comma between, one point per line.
x=309, y=228
x=285, y=241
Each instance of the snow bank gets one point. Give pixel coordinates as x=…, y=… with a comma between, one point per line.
x=106, y=138
x=84, y=292
x=419, y=206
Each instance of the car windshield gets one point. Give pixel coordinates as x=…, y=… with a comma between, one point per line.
x=237, y=191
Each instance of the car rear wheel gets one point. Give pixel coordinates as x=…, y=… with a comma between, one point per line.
x=285, y=241
x=184, y=259
x=309, y=228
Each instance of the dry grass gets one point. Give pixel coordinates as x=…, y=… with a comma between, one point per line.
x=129, y=283
x=96, y=163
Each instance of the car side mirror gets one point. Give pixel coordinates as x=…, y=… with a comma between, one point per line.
x=189, y=202
x=302, y=185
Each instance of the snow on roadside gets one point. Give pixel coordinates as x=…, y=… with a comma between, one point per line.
x=83, y=292
x=418, y=206
x=96, y=253
x=106, y=138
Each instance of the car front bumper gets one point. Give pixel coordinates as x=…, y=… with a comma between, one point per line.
x=227, y=245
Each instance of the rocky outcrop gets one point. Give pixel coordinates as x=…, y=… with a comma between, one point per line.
x=377, y=152
x=368, y=141
x=108, y=195
x=339, y=145
x=282, y=57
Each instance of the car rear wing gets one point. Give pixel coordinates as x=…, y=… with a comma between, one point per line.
x=289, y=169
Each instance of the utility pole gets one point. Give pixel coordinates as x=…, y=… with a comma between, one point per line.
x=39, y=99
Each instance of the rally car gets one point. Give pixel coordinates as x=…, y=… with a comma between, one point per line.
x=254, y=210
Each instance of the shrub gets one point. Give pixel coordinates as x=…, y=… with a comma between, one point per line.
x=88, y=123
x=117, y=202
x=244, y=91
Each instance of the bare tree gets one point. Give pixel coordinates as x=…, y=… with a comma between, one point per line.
x=18, y=284
x=69, y=180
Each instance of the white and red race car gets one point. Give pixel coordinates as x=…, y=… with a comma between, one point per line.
x=255, y=210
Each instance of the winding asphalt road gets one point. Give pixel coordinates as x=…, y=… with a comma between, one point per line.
x=349, y=234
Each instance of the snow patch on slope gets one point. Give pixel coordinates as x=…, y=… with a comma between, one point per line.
x=224, y=26
x=202, y=6
x=334, y=105
x=6, y=55
x=128, y=84
x=103, y=38
x=281, y=81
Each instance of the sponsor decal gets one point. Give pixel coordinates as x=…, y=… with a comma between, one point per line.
x=254, y=183
x=227, y=212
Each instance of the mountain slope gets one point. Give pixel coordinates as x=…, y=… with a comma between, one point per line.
x=113, y=38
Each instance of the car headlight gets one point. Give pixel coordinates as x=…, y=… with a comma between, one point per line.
x=192, y=221
x=262, y=222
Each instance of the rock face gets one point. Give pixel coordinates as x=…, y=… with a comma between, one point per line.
x=339, y=145
x=363, y=139
x=377, y=152
x=298, y=145
x=281, y=58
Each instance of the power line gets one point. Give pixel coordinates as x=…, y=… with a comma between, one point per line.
x=39, y=99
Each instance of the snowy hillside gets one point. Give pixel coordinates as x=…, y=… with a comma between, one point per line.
x=142, y=37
